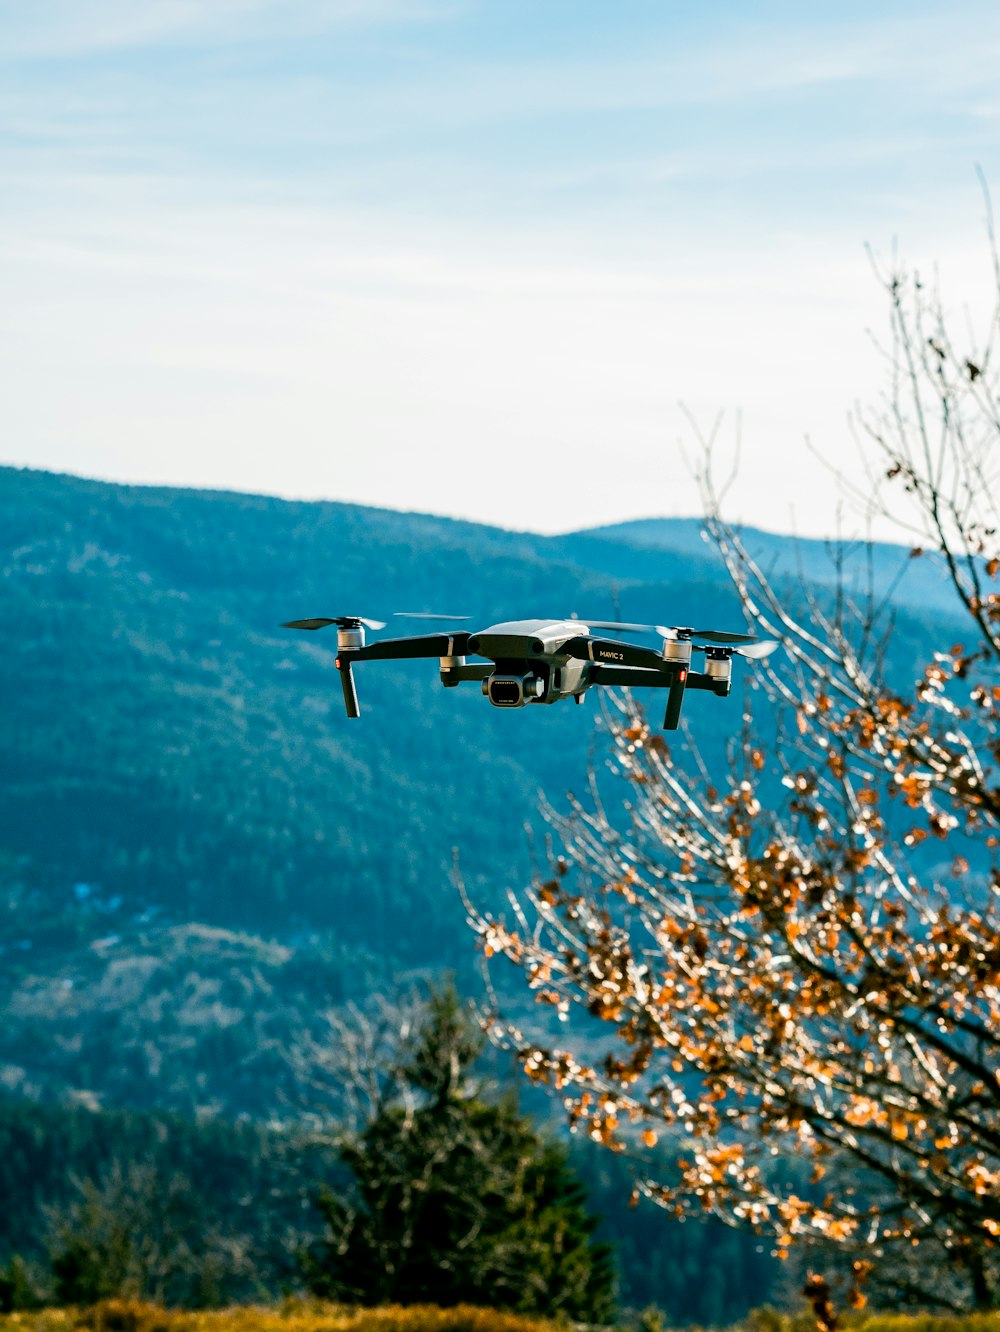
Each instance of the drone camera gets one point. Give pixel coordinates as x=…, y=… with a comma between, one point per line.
x=513, y=691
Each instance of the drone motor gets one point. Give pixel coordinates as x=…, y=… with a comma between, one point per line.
x=677, y=651
x=451, y=668
x=350, y=636
x=719, y=667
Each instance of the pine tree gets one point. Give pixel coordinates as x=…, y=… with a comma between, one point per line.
x=457, y=1200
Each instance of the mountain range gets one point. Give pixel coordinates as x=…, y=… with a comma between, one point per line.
x=198, y=851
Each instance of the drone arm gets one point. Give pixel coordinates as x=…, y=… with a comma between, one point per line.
x=627, y=676
x=425, y=645
x=608, y=651
x=697, y=680
x=674, y=680
x=671, y=678
x=479, y=670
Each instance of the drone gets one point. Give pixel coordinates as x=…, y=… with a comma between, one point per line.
x=546, y=661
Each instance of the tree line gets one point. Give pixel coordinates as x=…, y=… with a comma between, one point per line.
x=436, y=1189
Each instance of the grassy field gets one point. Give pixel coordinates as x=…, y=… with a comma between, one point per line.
x=767, y=1320
x=302, y=1316
x=297, y=1316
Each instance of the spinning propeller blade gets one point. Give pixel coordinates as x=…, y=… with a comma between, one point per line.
x=343, y=621
x=675, y=631
x=615, y=626
x=763, y=648
x=706, y=635
x=427, y=615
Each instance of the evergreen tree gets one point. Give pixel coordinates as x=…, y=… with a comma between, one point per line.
x=458, y=1200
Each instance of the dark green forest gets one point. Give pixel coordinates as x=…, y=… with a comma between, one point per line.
x=203, y=862
x=246, y=1201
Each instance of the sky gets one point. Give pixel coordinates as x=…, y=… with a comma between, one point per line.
x=498, y=259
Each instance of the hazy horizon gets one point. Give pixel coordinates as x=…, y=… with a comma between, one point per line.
x=625, y=521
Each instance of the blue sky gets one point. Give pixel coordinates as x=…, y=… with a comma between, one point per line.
x=482, y=259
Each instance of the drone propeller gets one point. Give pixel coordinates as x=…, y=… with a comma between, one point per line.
x=618, y=627
x=341, y=621
x=680, y=632
x=757, y=648
x=427, y=615
x=763, y=648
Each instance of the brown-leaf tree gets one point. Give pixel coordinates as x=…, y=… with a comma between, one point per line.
x=799, y=961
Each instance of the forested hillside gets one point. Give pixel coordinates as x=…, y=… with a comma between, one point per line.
x=198, y=851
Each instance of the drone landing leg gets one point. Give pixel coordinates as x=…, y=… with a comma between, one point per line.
x=350, y=691
x=674, y=701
